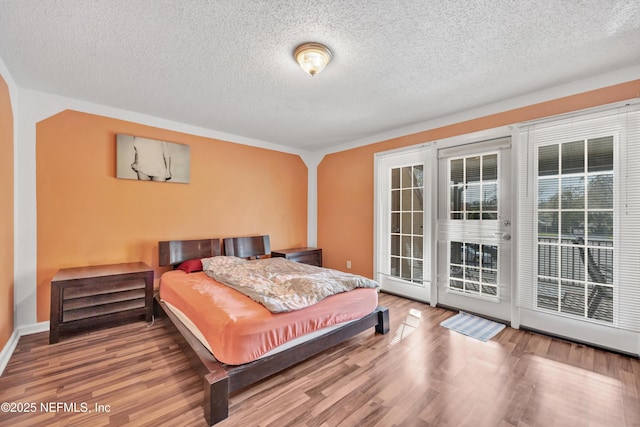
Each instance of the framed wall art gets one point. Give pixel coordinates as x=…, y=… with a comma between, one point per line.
x=146, y=159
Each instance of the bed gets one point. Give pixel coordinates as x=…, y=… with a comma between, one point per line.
x=222, y=379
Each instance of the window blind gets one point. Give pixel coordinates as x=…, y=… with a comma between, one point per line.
x=578, y=214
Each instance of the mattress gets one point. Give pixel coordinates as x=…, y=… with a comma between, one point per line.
x=238, y=330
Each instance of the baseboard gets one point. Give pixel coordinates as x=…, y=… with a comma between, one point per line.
x=8, y=349
x=10, y=346
x=34, y=329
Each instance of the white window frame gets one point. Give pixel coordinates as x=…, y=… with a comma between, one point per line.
x=621, y=121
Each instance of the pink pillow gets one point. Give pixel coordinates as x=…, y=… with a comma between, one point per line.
x=191, y=265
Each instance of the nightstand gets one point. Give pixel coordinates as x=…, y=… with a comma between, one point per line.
x=84, y=298
x=312, y=256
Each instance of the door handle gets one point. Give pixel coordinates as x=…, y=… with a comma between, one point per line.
x=503, y=236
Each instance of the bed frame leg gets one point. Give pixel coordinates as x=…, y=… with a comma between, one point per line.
x=216, y=397
x=383, y=320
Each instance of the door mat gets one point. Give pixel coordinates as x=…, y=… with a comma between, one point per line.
x=473, y=326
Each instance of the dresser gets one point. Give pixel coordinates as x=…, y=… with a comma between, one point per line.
x=84, y=298
x=312, y=256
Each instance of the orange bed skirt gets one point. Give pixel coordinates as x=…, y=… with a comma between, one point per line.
x=240, y=330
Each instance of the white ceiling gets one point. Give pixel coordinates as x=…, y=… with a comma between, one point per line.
x=227, y=65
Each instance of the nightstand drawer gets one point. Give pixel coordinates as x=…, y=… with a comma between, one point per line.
x=109, y=298
x=70, y=315
x=108, y=287
x=312, y=259
x=312, y=256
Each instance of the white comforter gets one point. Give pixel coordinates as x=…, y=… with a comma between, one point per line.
x=282, y=285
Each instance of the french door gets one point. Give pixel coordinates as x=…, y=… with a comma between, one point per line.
x=579, y=221
x=443, y=225
x=474, y=228
x=403, y=223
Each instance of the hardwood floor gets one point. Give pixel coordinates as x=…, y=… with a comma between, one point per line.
x=420, y=374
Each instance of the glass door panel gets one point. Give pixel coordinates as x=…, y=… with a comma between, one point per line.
x=407, y=223
x=575, y=229
x=474, y=231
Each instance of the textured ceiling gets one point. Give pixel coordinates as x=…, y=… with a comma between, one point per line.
x=228, y=65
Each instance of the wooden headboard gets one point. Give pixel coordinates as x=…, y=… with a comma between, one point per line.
x=173, y=252
x=247, y=247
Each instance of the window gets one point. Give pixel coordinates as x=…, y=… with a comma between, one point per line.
x=473, y=269
x=474, y=188
x=407, y=223
x=575, y=254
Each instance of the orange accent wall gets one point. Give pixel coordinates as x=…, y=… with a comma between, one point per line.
x=87, y=216
x=346, y=187
x=6, y=215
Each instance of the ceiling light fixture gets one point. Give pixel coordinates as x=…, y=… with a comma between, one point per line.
x=312, y=57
